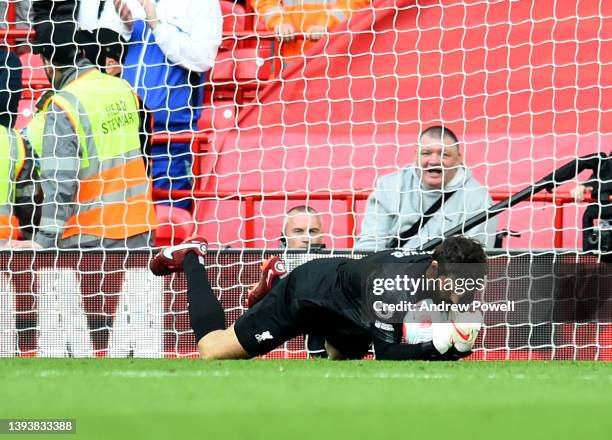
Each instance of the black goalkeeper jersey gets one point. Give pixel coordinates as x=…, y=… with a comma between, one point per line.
x=331, y=297
x=341, y=285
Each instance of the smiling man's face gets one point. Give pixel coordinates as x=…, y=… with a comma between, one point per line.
x=438, y=160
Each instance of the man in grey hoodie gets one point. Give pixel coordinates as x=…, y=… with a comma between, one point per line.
x=401, y=199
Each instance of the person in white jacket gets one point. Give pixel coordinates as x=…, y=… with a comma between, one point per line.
x=401, y=199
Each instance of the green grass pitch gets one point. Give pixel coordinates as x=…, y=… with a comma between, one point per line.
x=191, y=399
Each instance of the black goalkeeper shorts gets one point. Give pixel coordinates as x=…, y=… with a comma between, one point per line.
x=296, y=306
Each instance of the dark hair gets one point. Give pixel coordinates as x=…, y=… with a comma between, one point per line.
x=100, y=44
x=461, y=257
x=440, y=132
x=57, y=43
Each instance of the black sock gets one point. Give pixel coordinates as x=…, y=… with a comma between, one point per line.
x=205, y=311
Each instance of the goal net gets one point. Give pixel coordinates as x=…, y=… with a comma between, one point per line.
x=328, y=119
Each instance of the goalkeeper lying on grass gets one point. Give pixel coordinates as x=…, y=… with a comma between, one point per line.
x=351, y=303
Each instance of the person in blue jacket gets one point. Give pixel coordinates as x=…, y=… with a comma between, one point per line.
x=173, y=43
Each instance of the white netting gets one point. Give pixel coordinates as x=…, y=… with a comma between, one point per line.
x=247, y=127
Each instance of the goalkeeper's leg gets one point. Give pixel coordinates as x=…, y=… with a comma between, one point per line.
x=260, y=330
x=205, y=312
x=207, y=316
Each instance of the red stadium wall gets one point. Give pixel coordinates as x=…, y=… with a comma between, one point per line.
x=522, y=83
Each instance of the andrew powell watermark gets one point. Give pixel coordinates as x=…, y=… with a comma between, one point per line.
x=392, y=294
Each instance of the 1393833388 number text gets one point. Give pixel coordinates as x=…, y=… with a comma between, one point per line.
x=34, y=426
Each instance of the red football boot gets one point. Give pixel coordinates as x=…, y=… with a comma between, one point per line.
x=273, y=268
x=170, y=259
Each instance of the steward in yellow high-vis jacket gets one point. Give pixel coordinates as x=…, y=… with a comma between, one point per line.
x=92, y=170
x=17, y=183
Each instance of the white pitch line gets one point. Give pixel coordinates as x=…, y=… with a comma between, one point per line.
x=146, y=374
x=423, y=375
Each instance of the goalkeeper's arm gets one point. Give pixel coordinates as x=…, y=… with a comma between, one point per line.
x=425, y=351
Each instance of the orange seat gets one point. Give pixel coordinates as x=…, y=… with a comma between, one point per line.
x=34, y=78
x=174, y=225
x=236, y=72
x=220, y=115
x=234, y=20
